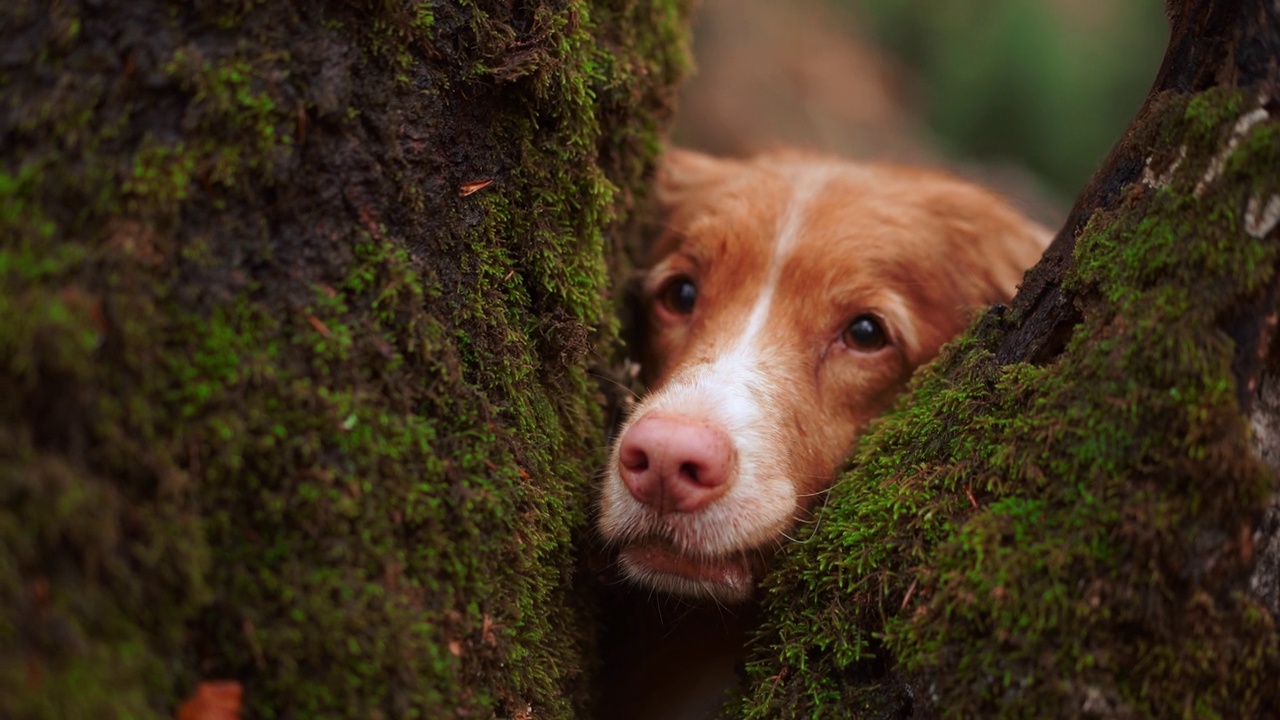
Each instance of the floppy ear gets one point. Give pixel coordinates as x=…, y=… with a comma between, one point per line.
x=1016, y=249
x=989, y=240
x=682, y=173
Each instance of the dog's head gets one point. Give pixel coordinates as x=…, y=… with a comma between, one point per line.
x=786, y=304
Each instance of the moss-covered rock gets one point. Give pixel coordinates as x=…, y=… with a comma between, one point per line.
x=288, y=393
x=1067, y=532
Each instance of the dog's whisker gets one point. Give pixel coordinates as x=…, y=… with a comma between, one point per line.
x=816, y=493
x=633, y=394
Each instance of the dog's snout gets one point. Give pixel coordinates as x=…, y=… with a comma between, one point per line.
x=675, y=464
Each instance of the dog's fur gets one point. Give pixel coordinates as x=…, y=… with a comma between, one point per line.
x=786, y=251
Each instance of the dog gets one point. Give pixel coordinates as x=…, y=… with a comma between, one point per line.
x=785, y=305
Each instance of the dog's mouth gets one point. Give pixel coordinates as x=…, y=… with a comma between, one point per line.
x=729, y=578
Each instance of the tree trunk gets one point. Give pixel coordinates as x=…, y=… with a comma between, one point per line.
x=296, y=305
x=1066, y=517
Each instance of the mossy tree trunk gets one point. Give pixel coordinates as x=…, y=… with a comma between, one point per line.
x=1067, y=516
x=296, y=305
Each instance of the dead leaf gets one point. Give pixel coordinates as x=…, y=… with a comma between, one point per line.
x=910, y=591
x=475, y=186
x=319, y=326
x=486, y=631
x=218, y=700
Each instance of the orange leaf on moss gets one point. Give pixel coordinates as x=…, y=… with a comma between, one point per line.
x=218, y=700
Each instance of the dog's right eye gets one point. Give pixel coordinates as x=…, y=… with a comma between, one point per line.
x=679, y=295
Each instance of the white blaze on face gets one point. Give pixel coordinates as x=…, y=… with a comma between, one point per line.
x=736, y=391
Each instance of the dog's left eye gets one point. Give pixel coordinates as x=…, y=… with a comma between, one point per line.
x=865, y=333
x=679, y=295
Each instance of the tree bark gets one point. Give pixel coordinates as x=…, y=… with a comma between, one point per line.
x=296, y=306
x=1068, y=516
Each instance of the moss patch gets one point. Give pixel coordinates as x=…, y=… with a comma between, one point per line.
x=1068, y=539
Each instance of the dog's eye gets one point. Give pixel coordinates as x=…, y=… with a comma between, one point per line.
x=865, y=333
x=679, y=295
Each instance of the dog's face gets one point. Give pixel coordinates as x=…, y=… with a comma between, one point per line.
x=787, y=304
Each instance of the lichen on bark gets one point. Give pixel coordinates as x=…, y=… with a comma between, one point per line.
x=278, y=403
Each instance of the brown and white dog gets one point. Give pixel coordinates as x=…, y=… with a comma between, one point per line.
x=786, y=305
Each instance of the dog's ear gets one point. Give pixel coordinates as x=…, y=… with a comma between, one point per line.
x=682, y=173
x=986, y=236
x=1009, y=251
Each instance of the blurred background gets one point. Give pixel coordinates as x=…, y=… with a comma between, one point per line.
x=1024, y=95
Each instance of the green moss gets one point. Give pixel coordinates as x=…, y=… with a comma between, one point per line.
x=1032, y=541
x=1214, y=110
x=243, y=132
x=162, y=175
x=287, y=408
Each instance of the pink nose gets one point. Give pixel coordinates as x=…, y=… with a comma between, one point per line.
x=675, y=464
